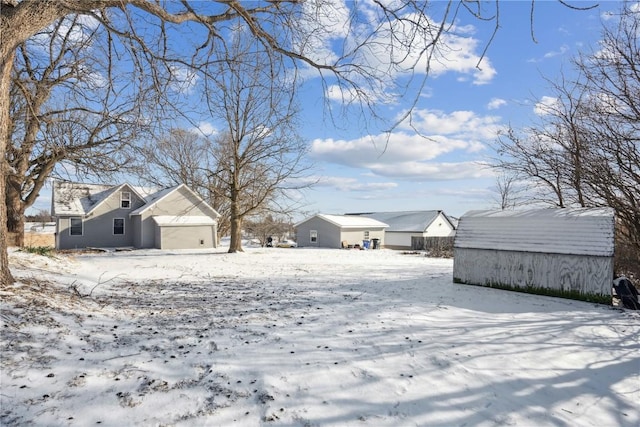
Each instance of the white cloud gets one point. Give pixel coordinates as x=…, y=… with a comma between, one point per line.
x=459, y=124
x=68, y=31
x=408, y=155
x=183, y=79
x=496, y=103
x=352, y=184
x=423, y=171
x=330, y=25
x=205, y=129
x=546, y=105
x=398, y=147
x=561, y=51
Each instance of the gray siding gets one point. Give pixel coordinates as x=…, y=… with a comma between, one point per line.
x=580, y=273
x=328, y=234
x=98, y=225
x=178, y=203
x=136, y=227
x=332, y=236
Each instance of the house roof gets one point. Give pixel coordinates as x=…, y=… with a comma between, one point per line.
x=72, y=198
x=349, y=221
x=155, y=198
x=77, y=199
x=579, y=231
x=407, y=221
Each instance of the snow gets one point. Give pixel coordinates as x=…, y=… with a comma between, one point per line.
x=39, y=227
x=302, y=337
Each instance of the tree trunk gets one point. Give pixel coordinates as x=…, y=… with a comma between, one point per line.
x=15, y=213
x=235, y=245
x=5, y=78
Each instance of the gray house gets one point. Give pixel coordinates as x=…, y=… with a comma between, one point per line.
x=566, y=251
x=404, y=226
x=337, y=231
x=95, y=215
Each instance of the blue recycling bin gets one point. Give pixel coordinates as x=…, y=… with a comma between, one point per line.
x=365, y=244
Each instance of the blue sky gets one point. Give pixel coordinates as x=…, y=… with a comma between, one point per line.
x=462, y=107
x=461, y=111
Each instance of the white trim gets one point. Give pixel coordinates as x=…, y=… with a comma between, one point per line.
x=123, y=199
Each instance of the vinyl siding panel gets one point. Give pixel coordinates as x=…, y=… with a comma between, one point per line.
x=328, y=234
x=584, y=274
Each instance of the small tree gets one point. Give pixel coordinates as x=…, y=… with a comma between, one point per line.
x=267, y=226
x=260, y=153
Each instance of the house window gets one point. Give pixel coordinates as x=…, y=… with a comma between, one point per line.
x=366, y=235
x=75, y=226
x=125, y=200
x=313, y=236
x=118, y=225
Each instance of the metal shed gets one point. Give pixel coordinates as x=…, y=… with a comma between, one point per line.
x=564, y=252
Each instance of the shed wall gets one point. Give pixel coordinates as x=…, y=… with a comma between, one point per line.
x=582, y=273
x=328, y=234
x=356, y=236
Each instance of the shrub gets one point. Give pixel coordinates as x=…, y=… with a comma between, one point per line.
x=40, y=250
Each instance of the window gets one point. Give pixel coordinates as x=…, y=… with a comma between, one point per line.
x=125, y=200
x=313, y=236
x=366, y=235
x=75, y=226
x=118, y=225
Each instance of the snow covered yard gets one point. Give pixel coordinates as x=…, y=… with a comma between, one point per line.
x=302, y=337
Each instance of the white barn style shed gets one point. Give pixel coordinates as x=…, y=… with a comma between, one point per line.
x=564, y=252
x=330, y=231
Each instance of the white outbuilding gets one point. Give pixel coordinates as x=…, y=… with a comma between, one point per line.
x=564, y=252
x=338, y=231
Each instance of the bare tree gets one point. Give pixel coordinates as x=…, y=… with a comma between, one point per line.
x=586, y=149
x=509, y=189
x=389, y=39
x=263, y=227
x=532, y=156
x=184, y=157
x=612, y=81
x=63, y=110
x=260, y=152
